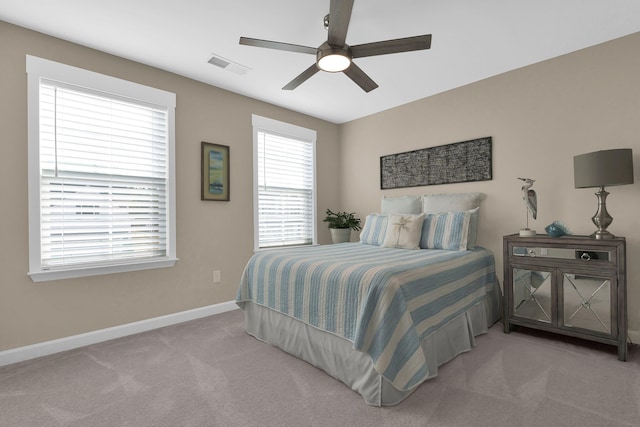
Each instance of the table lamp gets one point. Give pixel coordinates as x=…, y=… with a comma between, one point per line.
x=600, y=169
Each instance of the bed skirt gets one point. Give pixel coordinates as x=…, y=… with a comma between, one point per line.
x=335, y=355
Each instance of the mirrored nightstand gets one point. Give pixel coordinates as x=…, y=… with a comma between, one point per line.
x=571, y=285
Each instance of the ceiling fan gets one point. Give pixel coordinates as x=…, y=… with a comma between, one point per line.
x=335, y=55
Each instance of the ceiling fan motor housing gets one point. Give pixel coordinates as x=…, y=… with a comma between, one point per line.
x=332, y=58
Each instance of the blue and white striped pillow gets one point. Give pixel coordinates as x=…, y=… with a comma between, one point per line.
x=374, y=230
x=446, y=230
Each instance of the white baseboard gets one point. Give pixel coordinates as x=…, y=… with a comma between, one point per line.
x=33, y=351
x=20, y=354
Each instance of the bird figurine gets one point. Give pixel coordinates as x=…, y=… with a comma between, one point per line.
x=531, y=202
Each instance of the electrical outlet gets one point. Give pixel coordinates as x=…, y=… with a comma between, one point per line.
x=216, y=276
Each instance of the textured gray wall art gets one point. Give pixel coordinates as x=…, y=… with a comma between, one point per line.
x=445, y=164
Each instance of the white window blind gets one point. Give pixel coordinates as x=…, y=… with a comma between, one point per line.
x=103, y=179
x=103, y=174
x=285, y=173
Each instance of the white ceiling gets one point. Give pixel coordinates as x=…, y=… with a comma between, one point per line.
x=472, y=40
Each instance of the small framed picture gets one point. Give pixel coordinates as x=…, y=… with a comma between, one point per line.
x=215, y=172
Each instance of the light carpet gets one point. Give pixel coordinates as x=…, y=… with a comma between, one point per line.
x=209, y=372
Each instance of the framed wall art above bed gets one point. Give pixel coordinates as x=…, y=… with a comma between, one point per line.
x=444, y=164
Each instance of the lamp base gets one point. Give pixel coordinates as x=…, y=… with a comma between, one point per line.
x=602, y=235
x=602, y=219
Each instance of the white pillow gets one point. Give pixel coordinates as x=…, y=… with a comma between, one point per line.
x=403, y=231
x=451, y=202
x=375, y=227
x=401, y=205
x=446, y=230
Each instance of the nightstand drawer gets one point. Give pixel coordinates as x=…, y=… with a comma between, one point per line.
x=574, y=254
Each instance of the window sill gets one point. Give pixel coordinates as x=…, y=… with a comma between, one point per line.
x=282, y=247
x=70, y=273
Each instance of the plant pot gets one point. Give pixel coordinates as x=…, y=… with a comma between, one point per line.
x=340, y=235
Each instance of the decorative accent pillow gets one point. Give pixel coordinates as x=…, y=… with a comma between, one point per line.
x=403, y=231
x=446, y=230
x=433, y=203
x=375, y=227
x=401, y=205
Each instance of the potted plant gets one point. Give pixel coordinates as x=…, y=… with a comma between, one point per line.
x=341, y=224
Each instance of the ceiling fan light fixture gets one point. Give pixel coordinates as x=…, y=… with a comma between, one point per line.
x=333, y=60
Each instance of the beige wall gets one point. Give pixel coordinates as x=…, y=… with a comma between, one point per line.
x=210, y=235
x=539, y=117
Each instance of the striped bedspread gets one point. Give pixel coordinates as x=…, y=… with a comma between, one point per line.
x=384, y=300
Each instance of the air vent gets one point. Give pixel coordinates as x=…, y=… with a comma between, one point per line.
x=218, y=62
x=228, y=65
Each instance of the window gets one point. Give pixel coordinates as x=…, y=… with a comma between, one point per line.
x=284, y=184
x=101, y=173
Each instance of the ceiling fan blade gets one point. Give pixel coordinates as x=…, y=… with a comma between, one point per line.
x=356, y=74
x=339, y=16
x=301, y=78
x=406, y=44
x=277, y=45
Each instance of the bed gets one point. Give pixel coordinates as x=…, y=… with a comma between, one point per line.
x=380, y=318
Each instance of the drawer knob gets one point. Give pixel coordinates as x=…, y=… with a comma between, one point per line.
x=532, y=253
x=585, y=256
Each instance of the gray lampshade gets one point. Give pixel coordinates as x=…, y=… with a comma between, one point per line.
x=605, y=167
